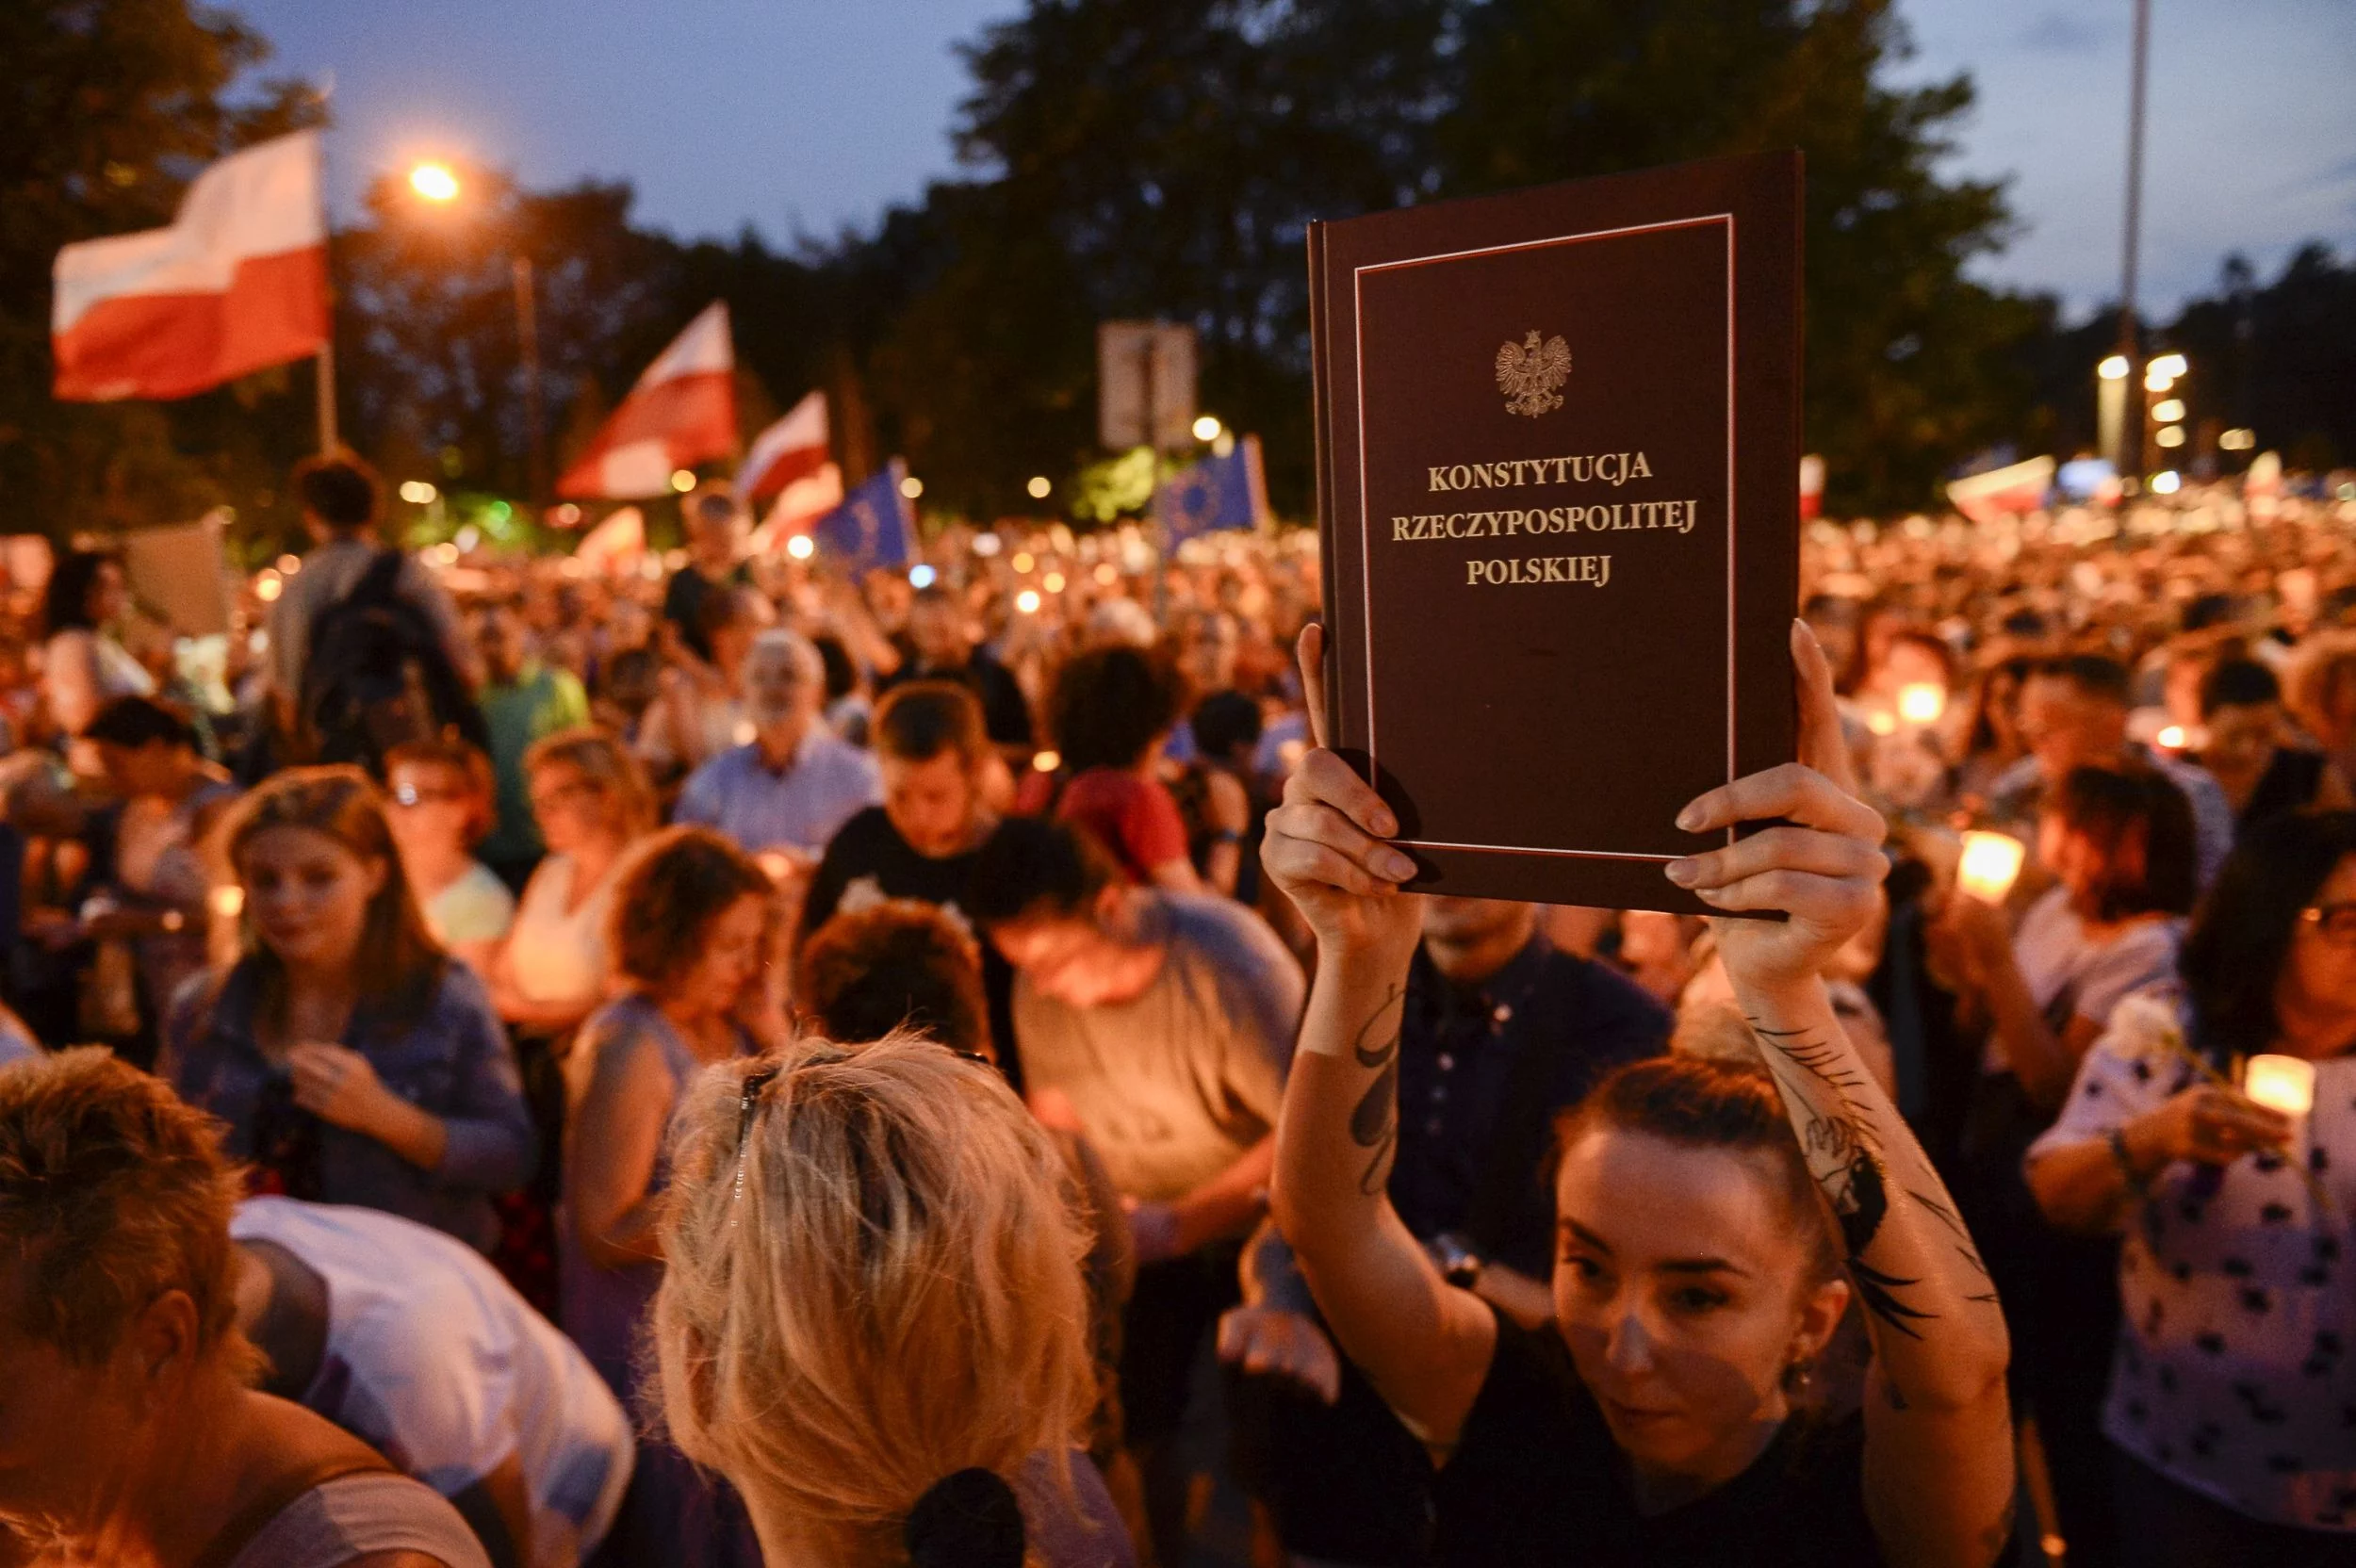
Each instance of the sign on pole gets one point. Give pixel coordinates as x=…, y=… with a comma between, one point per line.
x=1145, y=385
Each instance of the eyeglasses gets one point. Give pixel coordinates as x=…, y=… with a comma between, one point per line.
x=2334, y=923
x=757, y=1082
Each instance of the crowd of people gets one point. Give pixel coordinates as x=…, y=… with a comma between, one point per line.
x=730, y=1060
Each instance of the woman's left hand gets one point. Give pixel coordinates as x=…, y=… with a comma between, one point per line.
x=337, y=1085
x=1823, y=867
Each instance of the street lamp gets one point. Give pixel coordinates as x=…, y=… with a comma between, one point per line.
x=435, y=182
x=438, y=183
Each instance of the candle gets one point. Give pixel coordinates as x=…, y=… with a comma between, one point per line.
x=1991, y=865
x=1922, y=703
x=2284, y=1084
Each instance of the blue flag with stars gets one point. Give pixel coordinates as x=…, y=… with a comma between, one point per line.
x=1216, y=493
x=875, y=525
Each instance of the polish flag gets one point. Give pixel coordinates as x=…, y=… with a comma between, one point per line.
x=793, y=448
x=798, y=505
x=237, y=282
x=682, y=412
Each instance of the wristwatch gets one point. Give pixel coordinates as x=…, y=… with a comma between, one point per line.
x=1459, y=1264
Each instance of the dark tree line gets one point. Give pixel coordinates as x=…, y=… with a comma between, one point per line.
x=1118, y=158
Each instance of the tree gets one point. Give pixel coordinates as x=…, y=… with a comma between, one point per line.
x=111, y=109
x=1908, y=365
x=1162, y=157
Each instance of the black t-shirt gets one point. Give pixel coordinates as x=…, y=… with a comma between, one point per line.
x=869, y=850
x=1536, y=1481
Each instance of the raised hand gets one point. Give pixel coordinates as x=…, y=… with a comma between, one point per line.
x=1824, y=869
x=1325, y=843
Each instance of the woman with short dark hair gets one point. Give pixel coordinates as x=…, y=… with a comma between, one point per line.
x=2227, y=1410
x=1713, y=1224
x=690, y=934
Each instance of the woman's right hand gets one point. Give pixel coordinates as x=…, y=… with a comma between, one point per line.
x=1325, y=845
x=2207, y=1123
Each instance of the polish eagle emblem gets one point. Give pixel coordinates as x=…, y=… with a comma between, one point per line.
x=1530, y=373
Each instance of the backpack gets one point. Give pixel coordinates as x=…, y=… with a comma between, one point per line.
x=377, y=676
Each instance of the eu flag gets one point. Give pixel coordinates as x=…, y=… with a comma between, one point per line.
x=874, y=526
x=1216, y=493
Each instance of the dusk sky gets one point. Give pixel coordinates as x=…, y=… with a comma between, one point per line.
x=804, y=116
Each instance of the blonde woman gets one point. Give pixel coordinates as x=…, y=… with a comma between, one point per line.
x=592, y=802
x=872, y=1321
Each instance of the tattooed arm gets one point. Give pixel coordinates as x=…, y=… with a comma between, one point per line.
x=1424, y=1344
x=1938, y=1468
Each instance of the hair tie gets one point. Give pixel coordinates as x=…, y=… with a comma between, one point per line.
x=968, y=1519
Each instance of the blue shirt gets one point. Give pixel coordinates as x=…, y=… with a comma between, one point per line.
x=451, y=1060
x=828, y=782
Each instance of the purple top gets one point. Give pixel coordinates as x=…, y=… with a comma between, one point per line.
x=604, y=1308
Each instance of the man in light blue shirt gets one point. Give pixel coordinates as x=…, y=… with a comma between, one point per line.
x=795, y=783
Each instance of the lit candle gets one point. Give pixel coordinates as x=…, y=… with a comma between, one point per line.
x=2285, y=1083
x=1922, y=703
x=1991, y=865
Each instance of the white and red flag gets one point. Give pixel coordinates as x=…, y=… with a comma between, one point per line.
x=682, y=412
x=238, y=282
x=793, y=448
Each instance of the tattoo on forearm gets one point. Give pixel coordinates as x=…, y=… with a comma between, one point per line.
x=1818, y=1081
x=1374, y=1123
x=1964, y=1248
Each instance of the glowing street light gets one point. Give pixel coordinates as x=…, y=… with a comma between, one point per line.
x=417, y=492
x=911, y=487
x=1040, y=487
x=1207, y=428
x=435, y=182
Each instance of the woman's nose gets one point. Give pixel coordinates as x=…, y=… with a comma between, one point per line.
x=1628, y=1348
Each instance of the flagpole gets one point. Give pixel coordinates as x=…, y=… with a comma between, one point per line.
x=327, y=366
x=325, y=363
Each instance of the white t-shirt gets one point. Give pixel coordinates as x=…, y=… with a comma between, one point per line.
x=2062, y=965
x=556, y=954
x=477, y=907
x=434, y=1359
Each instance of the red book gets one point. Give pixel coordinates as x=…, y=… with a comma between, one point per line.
x=1557, y=430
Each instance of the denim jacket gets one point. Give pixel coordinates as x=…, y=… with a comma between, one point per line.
x=451, y=1060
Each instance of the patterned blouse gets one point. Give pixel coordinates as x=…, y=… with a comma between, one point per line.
x=2232, y=1375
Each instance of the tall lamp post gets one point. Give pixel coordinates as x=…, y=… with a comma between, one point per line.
x=438, y=183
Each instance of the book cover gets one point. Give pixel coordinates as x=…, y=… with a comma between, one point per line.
x=1557, y=487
